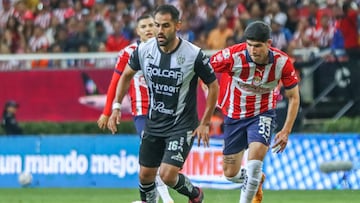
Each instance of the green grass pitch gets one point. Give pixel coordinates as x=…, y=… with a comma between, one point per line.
x=55, y=195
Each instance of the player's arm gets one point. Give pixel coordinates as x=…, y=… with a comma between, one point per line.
x=122, y=87
x=290, y=81
x=121, y=62
x=121, y=90
x=207, y=75
x=221, y=61
x=293, y=108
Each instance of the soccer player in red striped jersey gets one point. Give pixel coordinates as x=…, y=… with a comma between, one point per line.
x=138, y=90
x=251, y=72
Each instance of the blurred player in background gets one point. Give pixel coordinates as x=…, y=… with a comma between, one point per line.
x=171, y=68
x=9, y=121
x=250, y=73
x=138, y=91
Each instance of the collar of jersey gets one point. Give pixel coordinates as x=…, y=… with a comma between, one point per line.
x=176, y=48
x=271, y=58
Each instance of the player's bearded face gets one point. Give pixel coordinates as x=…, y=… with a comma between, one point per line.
x=165, y=29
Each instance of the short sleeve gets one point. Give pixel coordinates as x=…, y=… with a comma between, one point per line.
x=289, y=77
x=134, y=62
x=222, y=61
x=203, y=68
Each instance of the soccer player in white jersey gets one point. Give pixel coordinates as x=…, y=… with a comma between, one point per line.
x=138, y=90
x=250, y=73
x=171, y=68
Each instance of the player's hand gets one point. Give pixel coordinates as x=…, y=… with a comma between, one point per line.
x=102, y=121
x=202, y=132
x=281, y=140
x=114, y=120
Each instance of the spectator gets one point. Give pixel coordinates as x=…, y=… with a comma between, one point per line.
x=99, y=36
x=280, y=35
x=5, y=13
x=185, y=32
x=217, y=37
x=116, y=41
x=12, y=35
x=43, y=15
x=9, y=122
x=38, y=39
x=302, y=37
x=324, y=34
x=79, y=37
x=211, y=19
x=195, y=22
x=255, y=12
x=239, y=31
x=348, y=26
x=292, y=18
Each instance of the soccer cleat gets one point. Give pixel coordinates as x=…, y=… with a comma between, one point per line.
x=259, y=194
x=199, y=198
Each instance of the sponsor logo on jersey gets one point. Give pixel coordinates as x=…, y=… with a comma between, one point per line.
x=149, y=56
x=152, y=70
x=160, y=107
x=177, y=157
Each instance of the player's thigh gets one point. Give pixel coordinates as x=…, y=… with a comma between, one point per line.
x=259, y=134
x=151, y=150
x=261, y=128
x=177, y=148
x=235, y=136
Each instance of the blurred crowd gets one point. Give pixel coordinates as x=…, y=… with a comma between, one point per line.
x=58, y=26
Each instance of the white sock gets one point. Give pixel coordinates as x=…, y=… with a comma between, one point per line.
x=163, y=190
x=251, y=184
x=239, y=177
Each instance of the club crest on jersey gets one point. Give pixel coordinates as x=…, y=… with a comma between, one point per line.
x=226, y=53
x=257, y=80
x=258, y=76
x=180, y=59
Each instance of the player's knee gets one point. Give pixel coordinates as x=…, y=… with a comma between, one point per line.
x=230, y=171
x=168, y=177
x=147, y=176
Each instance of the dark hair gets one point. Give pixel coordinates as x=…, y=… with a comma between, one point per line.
x=144, y=16
x=257, y=31
x=168, y=9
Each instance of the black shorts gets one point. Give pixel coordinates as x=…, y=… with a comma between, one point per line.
x=172, y=150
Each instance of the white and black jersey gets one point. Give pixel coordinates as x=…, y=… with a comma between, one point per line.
x=172, y=82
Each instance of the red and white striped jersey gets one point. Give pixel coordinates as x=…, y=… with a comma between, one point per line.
x=138, y=89
x=246, y=88
x=43, y=20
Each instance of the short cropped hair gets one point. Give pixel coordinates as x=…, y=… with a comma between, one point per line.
x=144, y=16
x=168, y=9
x=257, y=31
